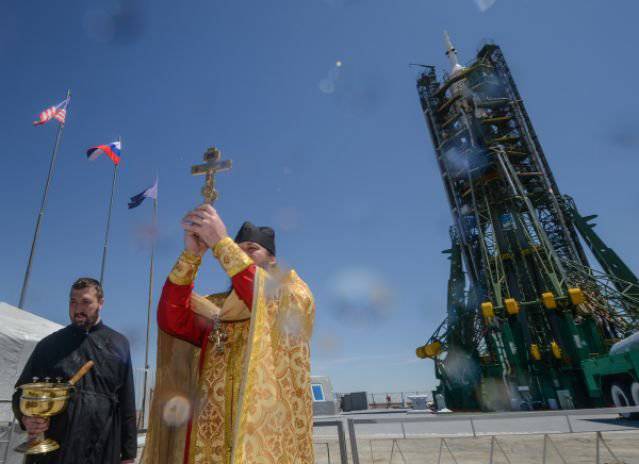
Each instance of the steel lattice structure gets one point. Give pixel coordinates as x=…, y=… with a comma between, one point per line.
x=525, y=308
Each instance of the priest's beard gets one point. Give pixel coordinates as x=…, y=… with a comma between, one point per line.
x=85, y=323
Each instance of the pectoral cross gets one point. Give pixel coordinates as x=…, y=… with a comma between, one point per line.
x=212, y=165
x=218, y=336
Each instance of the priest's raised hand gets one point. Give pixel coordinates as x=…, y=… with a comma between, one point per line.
x=192, y=242
x=205, y=223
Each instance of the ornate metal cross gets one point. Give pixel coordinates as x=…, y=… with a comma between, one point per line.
x=212, y=165
x=218, y=336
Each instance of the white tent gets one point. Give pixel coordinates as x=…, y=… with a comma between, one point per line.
x=19, y=333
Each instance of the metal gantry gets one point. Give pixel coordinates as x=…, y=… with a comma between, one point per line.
x=524, y=305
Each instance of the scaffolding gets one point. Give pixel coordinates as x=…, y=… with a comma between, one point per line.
x=525, y=307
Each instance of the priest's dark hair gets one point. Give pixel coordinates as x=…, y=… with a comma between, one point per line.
x=86, y=282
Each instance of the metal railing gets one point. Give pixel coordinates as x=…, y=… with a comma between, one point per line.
x=341, y=437
x=380, y=400
x=401, y=399
x=473, y=419
x=496, y=449
x=6, y=443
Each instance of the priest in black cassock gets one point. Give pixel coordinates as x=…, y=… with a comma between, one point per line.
x=98, y=426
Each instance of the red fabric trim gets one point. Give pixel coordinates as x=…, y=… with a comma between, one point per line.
x=188, y=441
x=189, y=427
x=175, y=316
x=243, y=285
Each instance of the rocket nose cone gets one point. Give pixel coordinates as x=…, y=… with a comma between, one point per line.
x=447, y=43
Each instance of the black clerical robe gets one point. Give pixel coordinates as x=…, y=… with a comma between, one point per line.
x=98, y=426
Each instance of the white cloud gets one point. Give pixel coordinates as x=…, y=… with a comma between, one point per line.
x=484, y=5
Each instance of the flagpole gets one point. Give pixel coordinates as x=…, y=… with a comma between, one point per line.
x=148, y=310
x=108, y=224
x=54, y=154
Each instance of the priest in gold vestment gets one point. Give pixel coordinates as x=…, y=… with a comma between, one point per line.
x=233, y=368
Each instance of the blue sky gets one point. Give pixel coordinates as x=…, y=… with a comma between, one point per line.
x=345, y=172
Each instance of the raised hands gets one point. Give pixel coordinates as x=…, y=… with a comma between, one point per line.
x=203, y=228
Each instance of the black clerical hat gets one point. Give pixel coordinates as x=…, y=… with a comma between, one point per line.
x=263, y=235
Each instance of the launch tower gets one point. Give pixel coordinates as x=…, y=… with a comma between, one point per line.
x=525, y=308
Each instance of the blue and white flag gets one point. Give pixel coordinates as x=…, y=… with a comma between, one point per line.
x=151, y=192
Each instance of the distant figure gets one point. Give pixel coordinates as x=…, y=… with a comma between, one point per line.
x=388, y=401
x=98, y=426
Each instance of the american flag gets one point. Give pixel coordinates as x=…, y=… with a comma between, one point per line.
x=58, y=112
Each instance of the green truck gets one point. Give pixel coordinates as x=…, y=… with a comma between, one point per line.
x=614, y=378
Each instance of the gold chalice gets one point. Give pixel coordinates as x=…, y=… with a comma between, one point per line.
x=43, y=399
x=46, y=399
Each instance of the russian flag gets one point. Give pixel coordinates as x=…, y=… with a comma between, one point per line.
x=112, y=150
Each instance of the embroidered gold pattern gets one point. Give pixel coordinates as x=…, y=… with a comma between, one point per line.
x=231, y=256
x=185, y=269
x=219, y=389
x=254, y=399
x=276, y=418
